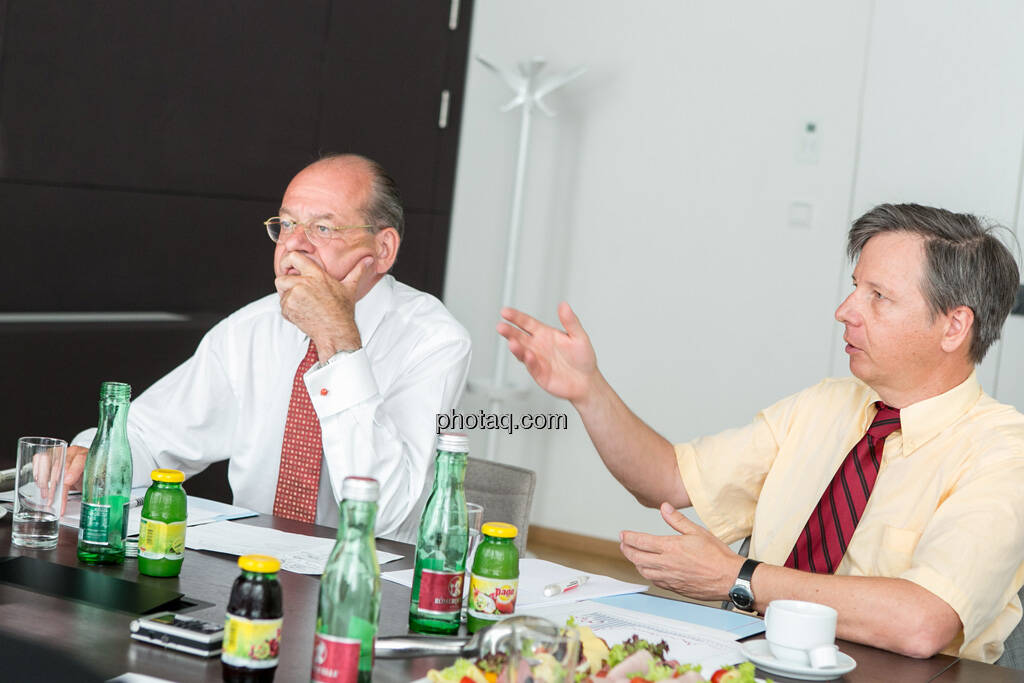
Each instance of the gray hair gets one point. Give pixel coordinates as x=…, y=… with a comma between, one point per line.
x=965, y=264
x=384, y=208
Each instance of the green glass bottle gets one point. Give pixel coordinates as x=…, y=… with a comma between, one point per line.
x=442, y=543
x=107, y=481
x=349, y=609
x=162, y=532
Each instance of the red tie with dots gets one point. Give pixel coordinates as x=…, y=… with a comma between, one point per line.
x=298, y=480
x=822, y=544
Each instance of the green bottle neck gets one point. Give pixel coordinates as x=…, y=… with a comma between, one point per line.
x=166, y=485
x=356, y=520
x=113, y=417
x=259, y=576
x=449, y=471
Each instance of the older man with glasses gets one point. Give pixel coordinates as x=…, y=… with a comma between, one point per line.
x=339, y=373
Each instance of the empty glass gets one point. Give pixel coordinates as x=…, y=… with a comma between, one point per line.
x=38, y=491
x=474, y=520
x=537, y=655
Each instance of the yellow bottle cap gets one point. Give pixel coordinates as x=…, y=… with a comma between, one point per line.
x=168, y=476
x=500, y=530
x=261, y=564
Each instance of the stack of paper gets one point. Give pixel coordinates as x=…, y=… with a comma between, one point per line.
x=297, y=552
x=200, y=511
x=688, y=643
x=535, y=574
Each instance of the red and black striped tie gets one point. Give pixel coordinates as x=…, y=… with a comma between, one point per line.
x=822, y=544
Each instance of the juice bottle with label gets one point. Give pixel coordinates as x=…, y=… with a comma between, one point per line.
x=442, y=543
x=252, y=627
x=494, y=583
x=162, y=532
x=349, y=609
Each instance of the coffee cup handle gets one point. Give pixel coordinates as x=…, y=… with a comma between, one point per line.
x=823, y=656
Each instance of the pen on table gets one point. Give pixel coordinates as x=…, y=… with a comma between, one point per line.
x=556, y=588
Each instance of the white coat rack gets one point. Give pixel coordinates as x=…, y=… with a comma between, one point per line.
x=529, y=91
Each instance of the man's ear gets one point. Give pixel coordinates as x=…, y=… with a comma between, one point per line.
x=386, y=243
x=959, y=324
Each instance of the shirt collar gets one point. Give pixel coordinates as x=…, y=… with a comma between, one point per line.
x=922, y=421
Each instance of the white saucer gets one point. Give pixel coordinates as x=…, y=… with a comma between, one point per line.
x=3, y=511
x=757, y=651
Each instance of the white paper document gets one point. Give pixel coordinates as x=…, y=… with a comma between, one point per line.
x=687, y=643
x=200, y=511
x=298, y=553
x=535, y=574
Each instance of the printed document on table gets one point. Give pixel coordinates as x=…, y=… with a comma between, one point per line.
x=687, y=643
x=535, y=574
x=298, y=553
x=200, y=511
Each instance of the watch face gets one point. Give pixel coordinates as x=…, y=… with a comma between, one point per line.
x=741, y=597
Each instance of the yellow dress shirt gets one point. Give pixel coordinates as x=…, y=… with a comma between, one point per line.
x=946, y=512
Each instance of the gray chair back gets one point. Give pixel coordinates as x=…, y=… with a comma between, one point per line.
x=505, y=492
x=1013, y=648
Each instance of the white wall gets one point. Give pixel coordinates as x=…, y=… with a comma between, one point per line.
x=658, y=201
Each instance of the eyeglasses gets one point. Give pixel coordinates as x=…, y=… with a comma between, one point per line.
x=317, y=232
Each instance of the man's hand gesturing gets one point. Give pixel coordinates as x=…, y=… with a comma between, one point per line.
x=319, y=305
x=693, y=562
x=562, y=363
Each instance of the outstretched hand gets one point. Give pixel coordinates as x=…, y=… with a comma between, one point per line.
x=693, y=562
x=562, y=363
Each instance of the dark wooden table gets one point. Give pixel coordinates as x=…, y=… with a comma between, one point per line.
x=99, y=638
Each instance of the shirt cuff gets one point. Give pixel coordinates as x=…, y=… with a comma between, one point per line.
x=946, y=590
x=343, y=383
x=716, y=523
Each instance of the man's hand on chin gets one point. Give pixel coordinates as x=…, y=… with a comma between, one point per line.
x=319, y=305
x=693, y=562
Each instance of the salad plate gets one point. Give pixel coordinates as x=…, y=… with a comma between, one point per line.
x=757, y=651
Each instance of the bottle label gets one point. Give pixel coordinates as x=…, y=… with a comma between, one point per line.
x=492, y=598
x=335, y=660
x=251, y=643
x=440, y=592
x=161, y=540
x=94, y=520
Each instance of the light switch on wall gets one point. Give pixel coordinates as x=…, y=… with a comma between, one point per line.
x=801, y=215
x=809, y=143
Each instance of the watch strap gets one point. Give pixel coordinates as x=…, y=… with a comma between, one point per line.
x=747, y=570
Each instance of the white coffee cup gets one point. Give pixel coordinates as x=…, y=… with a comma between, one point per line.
x=802, y=633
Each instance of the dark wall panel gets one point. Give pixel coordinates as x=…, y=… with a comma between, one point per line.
x=400, y=118
x=173, y=95
x=108, y=250
x=89, y=354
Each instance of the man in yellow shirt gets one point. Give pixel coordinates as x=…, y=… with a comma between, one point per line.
x=909, y=454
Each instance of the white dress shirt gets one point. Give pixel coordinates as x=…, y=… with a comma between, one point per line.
x=377, y=416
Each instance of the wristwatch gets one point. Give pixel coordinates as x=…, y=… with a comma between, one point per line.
x=741, y=594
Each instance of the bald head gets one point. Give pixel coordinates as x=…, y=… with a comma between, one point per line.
x=367, y=185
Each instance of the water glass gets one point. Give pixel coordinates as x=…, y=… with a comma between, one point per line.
x=474, y=520
x=530, y=650
x=38, y=491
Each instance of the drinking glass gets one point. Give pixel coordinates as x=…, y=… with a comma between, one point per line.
x=38, y=491
x=531, y=649
x=474, y=520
